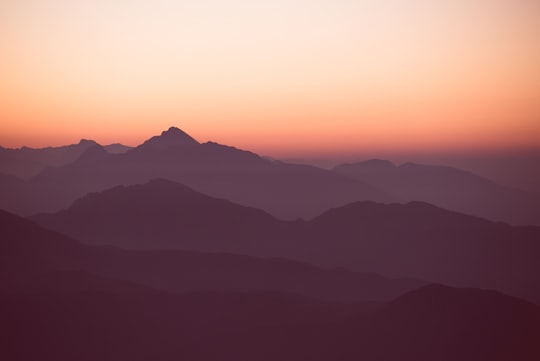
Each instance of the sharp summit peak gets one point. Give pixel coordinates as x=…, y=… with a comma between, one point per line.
x=173, y=130
x=87, y=142
x=171, y=137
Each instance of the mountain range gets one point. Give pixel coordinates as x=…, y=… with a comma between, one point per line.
x=50, y=179
x=181, y=250
x=31, y=254
x=285, y=190
x=415, y=240
x=52, y=300
x=27, y=162
x=449, y=188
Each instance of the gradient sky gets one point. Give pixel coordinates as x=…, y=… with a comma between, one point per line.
x=281, y=77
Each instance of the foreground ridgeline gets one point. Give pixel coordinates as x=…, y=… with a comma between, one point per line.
x=62, y=300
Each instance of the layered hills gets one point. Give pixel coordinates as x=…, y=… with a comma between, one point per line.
x=415, y=240
x=71, y=301
x=449, y=188
x=285, y=190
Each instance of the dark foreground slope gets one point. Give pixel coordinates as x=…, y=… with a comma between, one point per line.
x=149, y=325
x=442, y=323
x=435, y=323
x=400, y=240
x=54, y=307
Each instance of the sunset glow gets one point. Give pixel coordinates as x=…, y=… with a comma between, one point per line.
x=279, y=78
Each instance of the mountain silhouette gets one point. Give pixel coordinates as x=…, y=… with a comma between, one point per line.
x=164, y=214
x=399, y=240
x=63, y=298
x=33, y=257
x=173, y=137
x=449, y=188
x=284, y=190
x=117, y=148
x=441, y=323
x=420, y=326
x=427, y=242
x=27, y=162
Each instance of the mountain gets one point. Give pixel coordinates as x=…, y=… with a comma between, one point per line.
x=424, y=241
x=469, y=325
x=448, y=188
x=56, y=304
x=519, y=169
x=155, y=326
x=27, y=162
x=173, y=137
x=31, y=255
x=117, y=148
x=441, y=323
x=164, y=214
x=284, y=190
x=399, y=240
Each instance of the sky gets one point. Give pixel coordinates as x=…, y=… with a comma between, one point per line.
x=281, y=77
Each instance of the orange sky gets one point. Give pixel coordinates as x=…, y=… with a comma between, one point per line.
x=286, y=77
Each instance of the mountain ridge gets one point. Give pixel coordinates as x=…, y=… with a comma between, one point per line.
x=30, y=252
x=449, y=188
x=417, y=239
x=173, y=137
x=284, y=190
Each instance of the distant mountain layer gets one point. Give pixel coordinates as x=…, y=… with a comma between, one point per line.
x=27, y=162
x=50, y=179
x=285, y=190
x=449, y=188
x=413, y=240
x=62, y=301
x=117, y=148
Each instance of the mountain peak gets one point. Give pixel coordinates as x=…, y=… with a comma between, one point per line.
x=173, y=130
x=87, y=142
x=171, y=137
